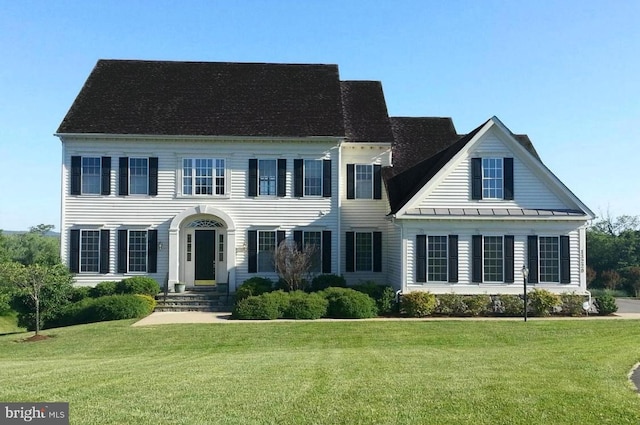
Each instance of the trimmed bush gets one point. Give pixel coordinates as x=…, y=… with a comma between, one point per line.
x=79, y=293
x=138, y=285
x=74, y=314
x=509, y=305
x=253, y=286
x=605, y=304
x=103, y=288
x=418, y=304
x=383, y=295
x=451, y=305
x=478, y=305
x=149, y=300
x=542, y=302
x=118, y=307
x=324, y=281
x=257, y=307
x=572, y=304
x=305, y=306
x=345, y=303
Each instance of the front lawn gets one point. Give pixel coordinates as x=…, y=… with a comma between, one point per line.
x=364, y=372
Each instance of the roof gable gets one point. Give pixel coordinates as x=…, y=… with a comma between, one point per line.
x=208, y=98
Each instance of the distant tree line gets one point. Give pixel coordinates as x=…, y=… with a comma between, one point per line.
x=613, y=254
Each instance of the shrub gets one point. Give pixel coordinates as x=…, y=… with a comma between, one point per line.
x=383, y=295
x=74, y=314
x=478, y=305
x=605, y=304
x=305, y=306
x=324, y=281
x=118, y=307
x=138, y=285
x=103, y=288
x=253, y=286
x=345, y=303
x=5, y=300
x=257, y=307
x=541, y=302
x=418, y=304
x=150, y=302
x=79, y=293
x=572, y=304
x=451, y=305
x=509, y=305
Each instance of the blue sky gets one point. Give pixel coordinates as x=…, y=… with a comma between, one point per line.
x=567, y=73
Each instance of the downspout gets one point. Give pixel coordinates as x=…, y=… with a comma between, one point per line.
x=339, y=235
x=63, y=257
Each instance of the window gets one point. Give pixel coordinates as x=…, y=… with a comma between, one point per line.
x=91, y=175
x=89, y=251
x=138, y=176
x=137, y=251
x=364, y=181
x=203, y=176
x=266, y=248
x=312, y=177
x=313, y=240
x=492, y=178
x=549, y=259
x=364, y=251
x=313, y=171
x=493, y=259
x=267, y=177
x=437, y=259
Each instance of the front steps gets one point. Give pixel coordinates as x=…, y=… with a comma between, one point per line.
x=201, y=299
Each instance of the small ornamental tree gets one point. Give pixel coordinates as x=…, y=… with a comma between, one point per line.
x=293, y=263
x=611, y=279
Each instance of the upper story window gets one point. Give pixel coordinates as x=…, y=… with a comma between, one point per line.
x=312, y=177
x=492, y=178
x=203, y=176
x=267, y=177
x=138, y=176
x=364, y=181
x=90, y=175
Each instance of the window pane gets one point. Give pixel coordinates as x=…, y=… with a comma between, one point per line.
x=267, y=172
x=90, y=175
x=312, y=178
x=138, y=176
x=364, y=252
x=437, y=259
x=493, y=259
x=137, y=250
x=187, y=185
x=492, y=178
x=266, y=248
x=89, y=250
x=203, y=176
x=313, y=241
x=549, y=259
x=364, y=181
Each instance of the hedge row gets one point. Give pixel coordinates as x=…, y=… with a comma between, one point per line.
x=109, y=307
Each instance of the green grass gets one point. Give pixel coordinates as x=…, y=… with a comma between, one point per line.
x=9, y=324
x=367, y=372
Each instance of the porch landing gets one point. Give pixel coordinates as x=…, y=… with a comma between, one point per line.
x=204, y=299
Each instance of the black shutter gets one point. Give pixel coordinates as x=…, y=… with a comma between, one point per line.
x=106, y=176
x=76, y=175
x=253, y=177
x=298, y=178
x=509, y=260
x=453, y=258
x=123, y=180
x=476, y=256
x=74, y=251
x=153, y=176
x=351, y=178
x=253, y=250
x=122, y=251
x=421, y=258
x=326, y=251
x=326, y=178
x=532, y=258
x=377, y=251
x=508, y=178
x=476, y=178
x=565, y=260
x=297, y=238
x=282, y=177
x=350, y=250
x=280, y=235
x=377, y=181
x=104, y=251
x=152, y=251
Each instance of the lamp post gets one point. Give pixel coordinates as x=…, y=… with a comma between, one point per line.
x=525, y=275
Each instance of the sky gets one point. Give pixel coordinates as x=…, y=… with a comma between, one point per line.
x=567, y=73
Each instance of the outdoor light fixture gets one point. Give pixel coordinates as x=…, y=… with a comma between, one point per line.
x=159, y=246
x=525, y=275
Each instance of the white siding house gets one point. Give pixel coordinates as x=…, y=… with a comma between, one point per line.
x=194, y=171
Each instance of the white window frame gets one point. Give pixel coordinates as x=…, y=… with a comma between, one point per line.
x=363, y=185
x=500, y=258
x=82, y=266
x=446, y=258
x=218, y=182
x=271, y=181
x=262, y=253
x=557, y=266
x=97, y=176
x=319, y=167
x=129, y=251
x=316, y=265
x=356, y=252
x=131, y=176
x=492, y=178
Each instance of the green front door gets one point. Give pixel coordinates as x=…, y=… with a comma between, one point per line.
x=205, y=256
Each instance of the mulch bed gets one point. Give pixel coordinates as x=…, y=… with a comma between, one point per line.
x=36, y=338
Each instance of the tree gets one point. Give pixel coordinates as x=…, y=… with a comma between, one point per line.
x=631, y=278
x=611, y=279
x=293, y=263
x=32, y=247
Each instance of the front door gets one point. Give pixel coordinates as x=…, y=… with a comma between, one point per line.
x=205, y=257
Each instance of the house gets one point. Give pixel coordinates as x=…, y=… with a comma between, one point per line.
x=194, y=171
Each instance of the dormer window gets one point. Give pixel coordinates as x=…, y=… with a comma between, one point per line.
x=492, y=178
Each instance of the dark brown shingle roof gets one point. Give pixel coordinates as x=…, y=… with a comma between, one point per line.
x=208, y=98
x=365, y=112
